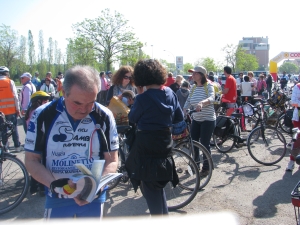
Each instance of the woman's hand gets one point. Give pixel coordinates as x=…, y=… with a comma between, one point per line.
x=199, y=106
x=120, y=97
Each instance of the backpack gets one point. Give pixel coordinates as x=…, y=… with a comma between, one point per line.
x=224, y=126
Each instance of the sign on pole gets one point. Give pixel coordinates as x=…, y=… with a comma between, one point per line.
x=179, y=62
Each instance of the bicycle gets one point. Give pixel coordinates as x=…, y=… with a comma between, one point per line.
x=231, y=131
x=14, y=178
x=186, y=168
x=261, y=142
x=187, y=145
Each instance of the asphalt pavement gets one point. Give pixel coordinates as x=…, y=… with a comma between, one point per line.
x=254, y=193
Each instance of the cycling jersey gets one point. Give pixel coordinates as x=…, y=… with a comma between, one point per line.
x=63, y=143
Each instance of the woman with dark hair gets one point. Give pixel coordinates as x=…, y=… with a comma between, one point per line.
x=261, y=84
x=48, y=88
x=201, y=98
x=150, y=164
x=121, y=80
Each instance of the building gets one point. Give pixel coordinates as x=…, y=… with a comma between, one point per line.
x=259, y=47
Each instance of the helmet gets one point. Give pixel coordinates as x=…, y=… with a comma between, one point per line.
x=39, y=95
x=3, y=69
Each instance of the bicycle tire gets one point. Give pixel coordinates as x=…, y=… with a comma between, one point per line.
x=14, y=183
x=224, y=144
x=188, y=174
x=266, y=155
x=281, y=125
x=186, y=147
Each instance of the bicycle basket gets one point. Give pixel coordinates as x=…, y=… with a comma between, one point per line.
x=277, y=100
x=179, y=130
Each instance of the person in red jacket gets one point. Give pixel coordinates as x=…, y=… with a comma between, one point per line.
x=170, y=79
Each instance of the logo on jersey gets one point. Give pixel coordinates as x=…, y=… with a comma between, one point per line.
x=83, y=130
x=66, y=135
x=66, y=164
x=29, y=141
x=86, y=120
x=34, y=115
x=31, y=127
x=60, y=122
x=61, y=153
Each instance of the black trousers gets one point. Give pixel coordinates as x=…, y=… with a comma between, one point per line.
x=155, y=197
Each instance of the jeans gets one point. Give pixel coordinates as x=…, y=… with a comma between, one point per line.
x=15, y=134
x=155, y=198
x=202, y=132
x=24, y=124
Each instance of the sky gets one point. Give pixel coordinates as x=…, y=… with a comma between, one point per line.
x=191, y=29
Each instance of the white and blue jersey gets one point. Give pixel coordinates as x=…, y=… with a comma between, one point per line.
x=63, y=143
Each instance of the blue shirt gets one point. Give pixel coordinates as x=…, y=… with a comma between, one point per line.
x=156, y=109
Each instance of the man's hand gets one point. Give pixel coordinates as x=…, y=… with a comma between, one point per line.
x=57, y=187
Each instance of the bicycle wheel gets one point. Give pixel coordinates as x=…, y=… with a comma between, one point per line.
x=224, y=144
x=181, y=195
x=269, y=150
x=14, y=183
x=204, y=155
x=284, y=128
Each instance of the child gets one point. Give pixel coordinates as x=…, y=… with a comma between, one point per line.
x=37, y=99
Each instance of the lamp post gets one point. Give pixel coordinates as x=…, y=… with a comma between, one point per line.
x=173, y=58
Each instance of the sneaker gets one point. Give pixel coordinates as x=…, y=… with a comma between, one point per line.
x=204, y=173
x=290, y=165
x=19, y=149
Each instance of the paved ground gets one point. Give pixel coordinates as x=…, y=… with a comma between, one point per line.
x=256, y=194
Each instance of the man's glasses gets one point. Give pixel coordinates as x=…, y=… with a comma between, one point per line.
x=127, y=77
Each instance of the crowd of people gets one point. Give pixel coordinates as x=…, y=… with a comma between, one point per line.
x=55, y=111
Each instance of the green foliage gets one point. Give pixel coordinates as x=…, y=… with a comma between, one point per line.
x=186, y=67
x=208, y=63
x=244, y=61
x=8, y=45
x=109, y=34
x=237, y=58
x=289, y=68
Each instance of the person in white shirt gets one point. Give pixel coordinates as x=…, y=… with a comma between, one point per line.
x=27, y=90
x=239, y=80
x=246, y=89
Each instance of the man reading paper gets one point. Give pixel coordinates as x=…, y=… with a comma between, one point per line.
x=73, y=129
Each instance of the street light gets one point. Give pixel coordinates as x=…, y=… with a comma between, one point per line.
x=173, y=57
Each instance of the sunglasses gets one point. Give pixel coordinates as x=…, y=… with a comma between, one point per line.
x=127, y=77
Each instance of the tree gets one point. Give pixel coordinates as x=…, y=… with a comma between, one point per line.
x=50, y=53
x=22, y=62
x=109, y=34
x=245, y=61
x=80, y=51
x=8, y=45
x=289, y=68
x=208, y=63
x=186, y=67
x=31, y=52
x=237, y=58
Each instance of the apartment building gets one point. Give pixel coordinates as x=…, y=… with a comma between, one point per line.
x=259, y=47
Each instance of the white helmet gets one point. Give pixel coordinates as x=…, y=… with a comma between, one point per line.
x=3, y=69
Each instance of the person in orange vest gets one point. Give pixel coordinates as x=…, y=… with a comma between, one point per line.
x=9, y=105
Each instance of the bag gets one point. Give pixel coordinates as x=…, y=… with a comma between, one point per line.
x=248, y=109
x=287, y=121
x=179, y=130
x=119, y=110
x=224, y=126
